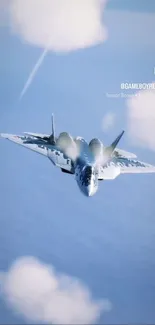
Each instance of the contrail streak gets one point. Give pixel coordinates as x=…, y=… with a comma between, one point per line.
x=33, y=73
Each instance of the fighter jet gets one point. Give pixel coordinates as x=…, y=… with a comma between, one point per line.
x=88, y=162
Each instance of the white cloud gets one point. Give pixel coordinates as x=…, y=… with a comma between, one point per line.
x=39, y=293
x=108, y=121
x=59, y=25
x=141, y=118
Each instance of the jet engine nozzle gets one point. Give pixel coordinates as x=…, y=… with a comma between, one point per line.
x=96, y=146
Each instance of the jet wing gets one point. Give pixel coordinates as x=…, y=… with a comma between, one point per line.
x=134, y=166
x=57, y=156
x=21, y=140
x=123, y=153
x=36, y=135
x=117, y=166
x=60, y=159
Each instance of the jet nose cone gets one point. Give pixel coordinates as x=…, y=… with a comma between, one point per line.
x=89, y=190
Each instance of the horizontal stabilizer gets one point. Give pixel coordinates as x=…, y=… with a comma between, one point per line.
x=36, y=135
x=123, y=153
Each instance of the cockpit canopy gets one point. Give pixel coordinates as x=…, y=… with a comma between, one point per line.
x=88, y=171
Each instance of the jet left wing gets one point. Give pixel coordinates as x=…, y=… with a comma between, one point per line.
x=21, y=140
x=57, y=156
x=117, y=166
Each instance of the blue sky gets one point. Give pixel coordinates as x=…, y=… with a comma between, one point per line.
x=108, y=241
x=145, y=6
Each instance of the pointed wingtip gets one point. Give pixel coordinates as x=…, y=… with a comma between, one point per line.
x=2, y=135
x=5, y=135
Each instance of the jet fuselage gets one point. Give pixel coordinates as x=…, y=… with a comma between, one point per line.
x=86, y=173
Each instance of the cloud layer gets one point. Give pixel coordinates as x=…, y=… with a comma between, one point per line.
x=141, y=118
x=36, y=291
x=108, y=121
x=59, y=25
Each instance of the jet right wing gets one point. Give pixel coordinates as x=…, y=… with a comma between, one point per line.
x=133, y=166
x=117, y=166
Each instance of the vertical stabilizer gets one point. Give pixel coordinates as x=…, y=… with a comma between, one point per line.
x=109, y=150
x=52, y=136
x=115, y=143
